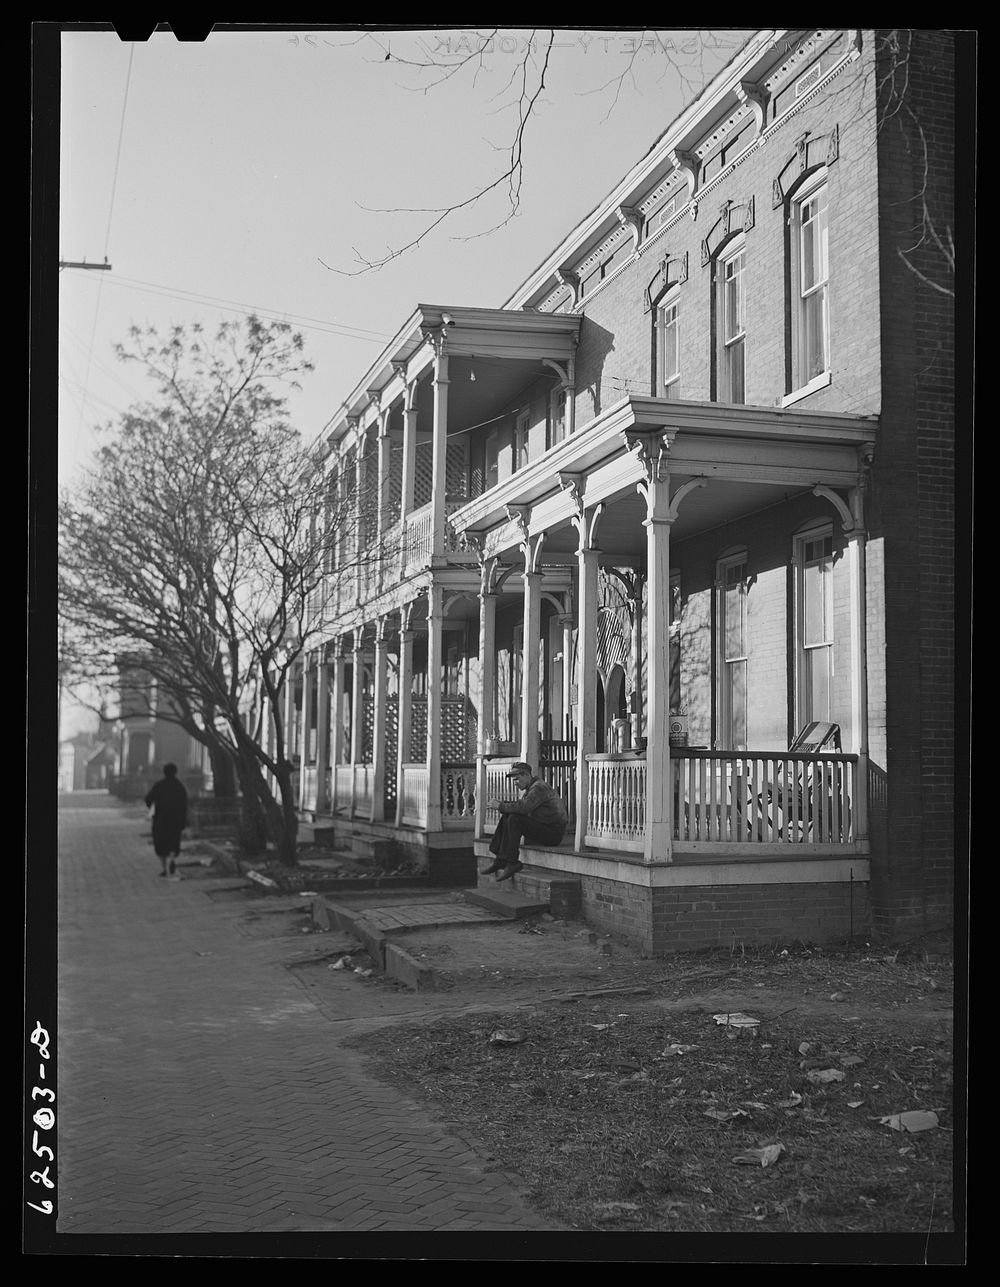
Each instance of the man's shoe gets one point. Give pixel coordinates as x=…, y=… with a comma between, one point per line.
x=512, y=870
x=494, y=866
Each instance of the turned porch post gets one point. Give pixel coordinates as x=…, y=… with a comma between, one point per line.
x=440, y=444
x=405, y=720
x=531, y=632
x=435, y=622
x=409, y=452
x=337, y=726
x=486, y=697
x=322, y=732
x=304, y=722
x=378, y=733
x=357, y=712
x=588, y=562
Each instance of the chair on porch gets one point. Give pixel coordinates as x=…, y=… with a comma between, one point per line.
x=795, y=800
x=775, y=805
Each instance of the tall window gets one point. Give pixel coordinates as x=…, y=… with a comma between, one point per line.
x=811, y=328
x=733, y=653
x=815, y=621
x=732, y=327
x=557, y=415
x=492, y=458
x=521, y=428
x=668, y=355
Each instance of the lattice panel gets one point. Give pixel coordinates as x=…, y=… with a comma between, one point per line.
x=458, y=738
x=391, y=742
x=456, y=471
x=423, y=474
x=418, y=730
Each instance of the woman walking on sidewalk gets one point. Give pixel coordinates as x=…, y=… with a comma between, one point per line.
x=168, y=800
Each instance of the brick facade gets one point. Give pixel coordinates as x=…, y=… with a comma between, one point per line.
x=869, y=116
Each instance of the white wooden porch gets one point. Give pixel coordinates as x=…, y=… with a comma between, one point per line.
x=750, y=804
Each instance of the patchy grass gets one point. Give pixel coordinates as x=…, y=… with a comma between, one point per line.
x=620, y=1115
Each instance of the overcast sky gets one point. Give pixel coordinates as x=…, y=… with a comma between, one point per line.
x=220, y=178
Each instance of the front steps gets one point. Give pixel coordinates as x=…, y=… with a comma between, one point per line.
x=552, y=891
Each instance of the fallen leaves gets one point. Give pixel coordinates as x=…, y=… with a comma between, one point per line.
x=502, y=1037
x=916, y=1120
x=765, y=1156
x=823, y=1076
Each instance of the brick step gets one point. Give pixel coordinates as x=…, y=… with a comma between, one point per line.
x=509, y=903
x=561, y=894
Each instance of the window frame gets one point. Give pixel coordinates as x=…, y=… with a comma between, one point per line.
x=802, y=379
x=727, y=737
x=557, y=393
x=522, y=440
x=806, y=652
x=726, y=345
x=668, y=388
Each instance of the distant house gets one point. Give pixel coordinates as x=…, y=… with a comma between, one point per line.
x=147, y=739
x=686, y=496
x=87, y=762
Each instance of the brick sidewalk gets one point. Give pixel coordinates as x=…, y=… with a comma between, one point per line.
x=201, y=1091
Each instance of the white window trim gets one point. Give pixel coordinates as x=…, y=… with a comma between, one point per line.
x=522, y=422
x=669, y=300
x=819, y=530
x=723, y=383
x=723, y=705
x=808, y=189
x=816, y=383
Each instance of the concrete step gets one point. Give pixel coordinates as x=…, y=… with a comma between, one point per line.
x=316, y=833
x=509, y=903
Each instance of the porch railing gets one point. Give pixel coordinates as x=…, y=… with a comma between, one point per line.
x=557, y=766
x=458, y=790
x=727, y=798
x=752, y=797
x=498, y=787
x=616, y=801
x=413, y=793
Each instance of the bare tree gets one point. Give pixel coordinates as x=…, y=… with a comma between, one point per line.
x=520, y=98
x=898, y=53
x=196, y=547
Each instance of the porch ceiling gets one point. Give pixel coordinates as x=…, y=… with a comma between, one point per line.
x=620, y=530
x=746, y=458
x=480, y=389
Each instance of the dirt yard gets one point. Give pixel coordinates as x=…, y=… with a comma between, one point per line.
x=791, y=1091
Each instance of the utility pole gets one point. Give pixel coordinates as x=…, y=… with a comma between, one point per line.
x=65, y=263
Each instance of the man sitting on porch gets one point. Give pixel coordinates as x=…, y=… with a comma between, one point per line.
x=539, y=817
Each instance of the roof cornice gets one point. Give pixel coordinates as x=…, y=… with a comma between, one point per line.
x=726, y=91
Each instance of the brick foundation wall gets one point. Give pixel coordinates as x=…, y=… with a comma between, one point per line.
x=662, y=921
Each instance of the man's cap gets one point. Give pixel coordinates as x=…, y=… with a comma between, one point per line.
x=519, y=768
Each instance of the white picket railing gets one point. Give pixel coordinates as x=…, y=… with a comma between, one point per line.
x=616, y=802
x=498, y=787
x=727, y=798
x=343, y=787
x=753, y=797
x=413, y=793
x=458, y=790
